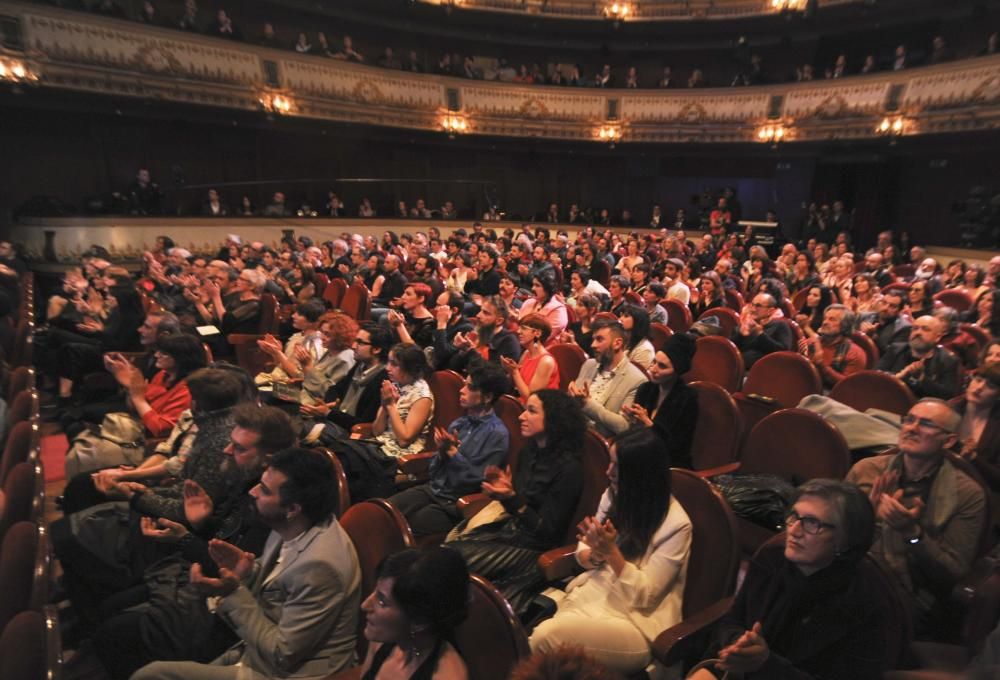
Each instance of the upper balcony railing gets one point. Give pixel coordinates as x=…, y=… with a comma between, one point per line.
x=638, y=10
x=85, y=53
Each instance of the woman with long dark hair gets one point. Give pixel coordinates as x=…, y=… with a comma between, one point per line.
x=810, y=315
x=711, y=294
x=420, y=597
x=803, y=273
x=534, y=503
x=635, y=321
x=635, y=551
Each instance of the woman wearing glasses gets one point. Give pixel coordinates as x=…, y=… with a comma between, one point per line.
x=804, y=611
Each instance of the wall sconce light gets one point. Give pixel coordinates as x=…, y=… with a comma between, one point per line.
x=609, y=133
x=454, y=124
x=892, y=127
x=771, y=134
x=17, y=72
x=788, y=5
x=275, y=104
x=618, y=12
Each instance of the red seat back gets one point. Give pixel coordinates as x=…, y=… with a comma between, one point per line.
x=595, y=458
x=734, y=300
x=869, y=347
x=491, y=640
x=719, y=428
x=509, y=409
x=445, y=386
x=678, y=315
x=17, y=564
x=659, y=334
x=23, y=648
x=958, y=300
x=796, y=444
x=270, y=314
x=786, y=377
x=729, y=320
x=356, y=303
x=21, y=447
x=716, y=360
x=334, y=292
x=569, y=358
x=874, y=389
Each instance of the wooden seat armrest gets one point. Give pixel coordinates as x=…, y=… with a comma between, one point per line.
x=558, y=563
x=686, y=639
x=416, y=465
x=471, y=504
x=151, y=443
x=362, y=431
x=727, y=469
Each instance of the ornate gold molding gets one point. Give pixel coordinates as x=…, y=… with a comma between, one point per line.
x=82, y=52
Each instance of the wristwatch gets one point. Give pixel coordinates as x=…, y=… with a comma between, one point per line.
x=915, y=538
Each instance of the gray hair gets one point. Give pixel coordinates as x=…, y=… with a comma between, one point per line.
x=855, y=518
x=953, y=417
x=849, y=322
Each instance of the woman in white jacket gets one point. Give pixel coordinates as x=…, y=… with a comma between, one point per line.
x=635, y=552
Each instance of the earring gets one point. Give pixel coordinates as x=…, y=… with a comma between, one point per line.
x=413, y=643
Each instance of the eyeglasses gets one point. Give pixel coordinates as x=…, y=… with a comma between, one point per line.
x=924, y=424
x=810, y=525
x=362, y=342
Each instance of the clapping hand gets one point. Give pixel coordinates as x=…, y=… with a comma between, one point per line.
x=891, y=510
x=601, y=538
x=394, y=318
x=234, y=565
x=508, y=364
x=162, y=529
x=579, y=392
x=497, y=483
x=198, y=505
x=303, y=356
x=390, y=394
x=447, y=442
x=637, y=414
x=270, y=346
x=747, y=654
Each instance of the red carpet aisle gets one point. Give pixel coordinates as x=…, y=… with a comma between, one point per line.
x=54, y=448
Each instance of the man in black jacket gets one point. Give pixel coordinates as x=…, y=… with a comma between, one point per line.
x=927, y=368
x=760, y=332
x=487, y=279
x=890, y=327
x=490, y=338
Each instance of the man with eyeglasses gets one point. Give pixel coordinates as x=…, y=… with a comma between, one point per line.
x=929, y=512
x=761, y=332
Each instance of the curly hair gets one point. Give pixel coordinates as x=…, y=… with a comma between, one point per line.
x=564, y=663
x=431, y=586
x=343, y=330
x=564, y=421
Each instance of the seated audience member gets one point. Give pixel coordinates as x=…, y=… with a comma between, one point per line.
x=831, y=349
x=483, y=279
x=449, y=322
x=214, y=391
x=580, y=282
x=471, y=443
x=929, y=512
x=634, y=551
x=652, y=297
x=490, y=338
x=414, y=323
x=979, y=431
x=608, y=382
x=356, y=397
x=419, y=599
x=963, y=345
x=534, y=503
x=617, y=287
x=402, y=424
x=710, y=295
x=306, y=320
x=153, y=406
x=865, y=295
x=339, y=332
x=238, y=312
x=810, y=315
x=635, y=321
x=548, y=302
x=223, y=27
x=803, y=610
x=537, y=368
x=297, y=616
x=508, y=292
x=982, y=314
x=581, y=331
x=927, y=368
x=919, y=299
x=171, y=625
x=761, y=330
x=889, y=326
x=666, y=403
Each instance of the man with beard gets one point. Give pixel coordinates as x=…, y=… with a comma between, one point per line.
x=890, y=326
x=832, y=350
x=929, y=512
x=490, y=338
x=608, y=382
x=761, y=332
x=176, y=624
x=295, y=608
x=927, y=368
x=450, y=322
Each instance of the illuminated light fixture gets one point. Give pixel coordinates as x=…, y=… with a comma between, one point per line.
x=618, y=11
x=891, y=126
x=788, y=5
x=772, y=134
x=454, y=124
x=16, y=72
x=275, y=104
x=610, y=134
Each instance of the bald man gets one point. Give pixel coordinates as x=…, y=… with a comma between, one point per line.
x=924, y=365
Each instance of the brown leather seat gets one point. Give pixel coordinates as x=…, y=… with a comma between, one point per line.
x=716, y=360
x=958, y=300
x=334, y=292
x=719, y=428
x=729, y=320
x=24, y=653
x=17, y=565
x=491, y=640
x=21, y=446
x=248, y=355
x=869, y=347
x=786, y=377
x=569, y=358
x=659, y=334
x=356, y=303
x=874, y=389
x=678, y=315
x=377, y=530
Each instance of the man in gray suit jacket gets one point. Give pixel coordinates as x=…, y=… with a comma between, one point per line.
x=607, y=382
x=296, y=608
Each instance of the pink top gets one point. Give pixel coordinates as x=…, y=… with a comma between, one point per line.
x=530, y=365
x=554, y=312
